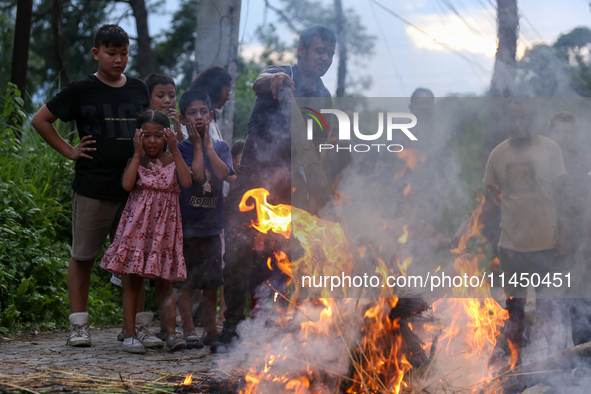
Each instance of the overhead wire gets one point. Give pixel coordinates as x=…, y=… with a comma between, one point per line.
x=525, y=30
x=453, y=9
x=398, y=76
x=450, y=6
x=520, y=11
x=443, y=45
x=528, y=32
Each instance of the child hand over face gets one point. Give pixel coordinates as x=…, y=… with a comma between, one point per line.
x=194, y=135
x=207, y=141
x=171, y=140
x=138, y=144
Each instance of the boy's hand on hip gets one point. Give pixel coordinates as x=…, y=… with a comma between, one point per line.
x=78, y=152
x=171, y=140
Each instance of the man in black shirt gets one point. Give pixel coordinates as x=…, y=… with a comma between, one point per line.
x=266, y=163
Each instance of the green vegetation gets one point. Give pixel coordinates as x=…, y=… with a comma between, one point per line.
x=35, y=232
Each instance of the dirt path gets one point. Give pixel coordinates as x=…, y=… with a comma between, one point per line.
x=44, y=362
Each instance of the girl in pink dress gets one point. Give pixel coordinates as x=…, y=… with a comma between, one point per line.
x=149, y=243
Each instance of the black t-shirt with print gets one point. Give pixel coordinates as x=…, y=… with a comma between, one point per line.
x=108, y=114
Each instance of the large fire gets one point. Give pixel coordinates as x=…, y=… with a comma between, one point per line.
x=376, y=351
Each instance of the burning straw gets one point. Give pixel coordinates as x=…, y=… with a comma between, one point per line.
x=58, y=379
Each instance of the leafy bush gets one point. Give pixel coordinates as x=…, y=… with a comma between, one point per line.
x=35, y=232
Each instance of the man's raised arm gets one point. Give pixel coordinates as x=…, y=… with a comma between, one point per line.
x=268, y=82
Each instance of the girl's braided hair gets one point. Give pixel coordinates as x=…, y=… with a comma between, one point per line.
x=152, y=116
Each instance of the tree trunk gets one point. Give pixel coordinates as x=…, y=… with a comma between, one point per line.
x=503, y=79
x=217, y=45
x=501, y=85
x=504, y=72
x=20, y=51
x=61, y=59
x=342, y=44
x=145, y=58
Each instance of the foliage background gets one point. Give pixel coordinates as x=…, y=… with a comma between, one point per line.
x=35, y=233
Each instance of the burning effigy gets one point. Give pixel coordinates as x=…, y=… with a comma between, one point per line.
x=349, y=341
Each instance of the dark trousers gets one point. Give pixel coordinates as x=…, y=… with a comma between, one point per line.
x=239, y=256
x=580, y=314
x=550, y=312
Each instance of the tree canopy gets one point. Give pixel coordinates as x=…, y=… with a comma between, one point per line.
x=562, y=69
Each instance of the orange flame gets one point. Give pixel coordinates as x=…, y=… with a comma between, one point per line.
x=404, y=266
x=283, y=262
x=411, y=159
x=514, y=354
x=298, y=385
x=324, y=242
x=406, y=190
x=385, y=352
x=404, y=237
x=270, y=217
x=474, y=323
x=188, y=379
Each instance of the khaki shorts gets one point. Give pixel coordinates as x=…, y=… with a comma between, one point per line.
x=92, y=221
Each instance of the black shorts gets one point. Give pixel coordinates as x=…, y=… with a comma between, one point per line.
x=203, y=257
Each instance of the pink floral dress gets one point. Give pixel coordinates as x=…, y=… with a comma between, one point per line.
x=149, y=239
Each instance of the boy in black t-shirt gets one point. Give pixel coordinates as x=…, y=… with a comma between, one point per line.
x=104, y=105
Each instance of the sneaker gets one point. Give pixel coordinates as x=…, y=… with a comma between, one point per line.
x=147, y=338
x=79, y=335
x=175, y=343
x=224, y=341
x=134, y=345
x=193, y=341
x=121, y=335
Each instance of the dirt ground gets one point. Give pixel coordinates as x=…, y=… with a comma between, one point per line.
x=43, y=362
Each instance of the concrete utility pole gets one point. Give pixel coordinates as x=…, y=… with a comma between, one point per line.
x=218, y=24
